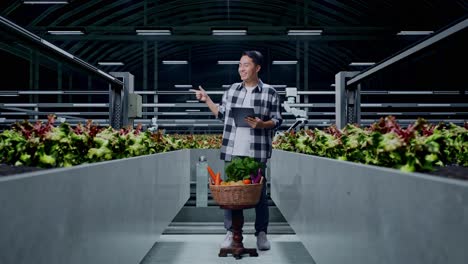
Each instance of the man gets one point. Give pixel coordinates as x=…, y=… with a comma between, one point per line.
x=254, y=141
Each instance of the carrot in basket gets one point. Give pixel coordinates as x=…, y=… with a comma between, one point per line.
x=218, y=178
x=212, y=174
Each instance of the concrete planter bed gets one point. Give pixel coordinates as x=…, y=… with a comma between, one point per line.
x=106, y=212
x=345, y=212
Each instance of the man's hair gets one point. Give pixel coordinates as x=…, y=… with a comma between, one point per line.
x=256, y=56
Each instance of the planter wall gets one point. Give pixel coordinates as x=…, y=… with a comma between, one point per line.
x=108, y=212
x=345, y=212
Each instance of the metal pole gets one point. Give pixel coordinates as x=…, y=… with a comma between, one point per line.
x=31, y=76
x=118, y=100
x=115, y=106
x=90, y=88
x=156, y=68
x=145, y=67
x=306, y=74
x=357, y=111
x=341, y=98
x=298, y=68
x=36, y=80
x=59, y=81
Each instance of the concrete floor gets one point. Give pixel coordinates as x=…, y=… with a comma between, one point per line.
x=192, y=249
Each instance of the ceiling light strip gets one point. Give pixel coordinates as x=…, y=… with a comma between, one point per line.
x=284, y=62
x=153, y=32
x=65, y=32
x=111, y=63
x=175, y=62
x=183, y=86
x=361, y=63
x=58, y=2
x=304, y=32
x=229, y=32
x=228, y=62
x=414, y=32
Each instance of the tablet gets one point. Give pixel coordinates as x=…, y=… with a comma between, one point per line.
x=240, y=113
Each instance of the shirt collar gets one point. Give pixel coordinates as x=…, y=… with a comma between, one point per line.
x=259, y=86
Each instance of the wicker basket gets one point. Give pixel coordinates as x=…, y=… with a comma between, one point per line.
x=244, y=195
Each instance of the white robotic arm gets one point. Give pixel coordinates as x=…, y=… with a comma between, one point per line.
x=155, y=126
x=296, y=112
x=301, y=115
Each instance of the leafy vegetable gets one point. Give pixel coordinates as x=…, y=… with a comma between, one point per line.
x=242, y=168
x=419, y=147
x=46, y=145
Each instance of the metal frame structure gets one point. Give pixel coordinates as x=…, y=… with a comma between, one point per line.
x=347, y=100
x=117, y=89
x=441, y=35
x=53, y=50
x=92, y=46
x=348, y=84
x=118, y=100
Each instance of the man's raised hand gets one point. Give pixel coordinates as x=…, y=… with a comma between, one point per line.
x=200, y=94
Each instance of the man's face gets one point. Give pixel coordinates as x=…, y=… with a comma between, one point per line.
x=247, y=68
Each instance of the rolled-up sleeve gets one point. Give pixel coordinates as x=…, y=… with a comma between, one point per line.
x=222, y=107
x=275, y=111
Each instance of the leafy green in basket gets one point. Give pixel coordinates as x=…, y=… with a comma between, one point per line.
x=243, y=168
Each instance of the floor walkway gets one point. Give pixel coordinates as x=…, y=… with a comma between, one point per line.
x=195, y=234
x=193, y=249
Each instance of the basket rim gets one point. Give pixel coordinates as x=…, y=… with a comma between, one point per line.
x=250, y=184
x=241, y=185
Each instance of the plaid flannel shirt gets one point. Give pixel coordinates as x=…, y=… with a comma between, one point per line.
x=266, y=104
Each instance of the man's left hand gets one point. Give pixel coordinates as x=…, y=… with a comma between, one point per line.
x=254, y=122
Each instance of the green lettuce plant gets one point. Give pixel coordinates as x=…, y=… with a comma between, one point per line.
x=419, y=147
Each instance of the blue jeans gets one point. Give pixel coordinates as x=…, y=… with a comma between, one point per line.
x=262, y=213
